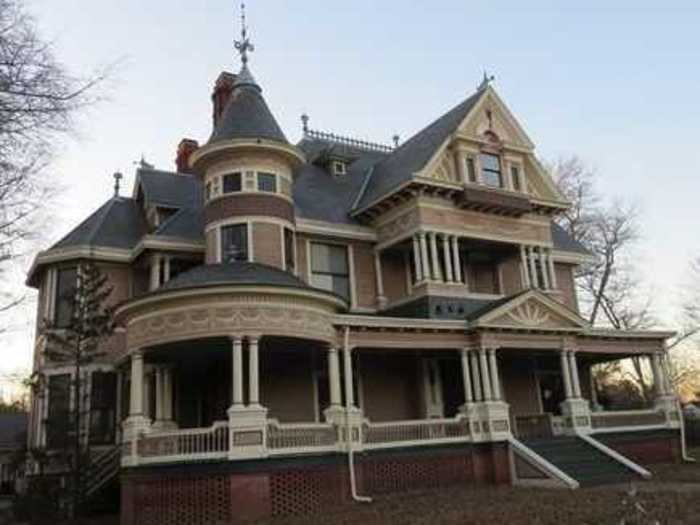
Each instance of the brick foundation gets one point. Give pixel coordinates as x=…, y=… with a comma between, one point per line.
x=645, y=448
x=236, y=492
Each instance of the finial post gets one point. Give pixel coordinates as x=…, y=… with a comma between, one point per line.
x=396, y=139
x=486, y=81
x=243, y=46
x=117, y=177
x=305, y=123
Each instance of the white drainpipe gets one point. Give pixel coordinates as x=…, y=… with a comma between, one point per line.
x=348, y=429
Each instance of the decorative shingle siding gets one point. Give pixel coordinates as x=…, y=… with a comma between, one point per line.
x=248, y=205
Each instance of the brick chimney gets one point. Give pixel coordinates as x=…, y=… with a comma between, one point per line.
x=222, y=92
x=184, y=150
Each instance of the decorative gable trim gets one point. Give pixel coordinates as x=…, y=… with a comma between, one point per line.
x=532, y=310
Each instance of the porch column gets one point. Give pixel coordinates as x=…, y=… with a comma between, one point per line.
x=166, y=268
x=573, y=366
x=347, y=372
x=417, y=263
x=168, y=393
x=379, y=278
x=434, y=261
x=495, y=380
x=534, y=278
x=253, y=372
x=155, y=272
x=545, y=268
x=466, y=378
x=456, y=259
x=425, y=264
x=656, y=372
x=486, y=382
x=448, y=258
x=665, y=383
x=566, y=375
x=237, y=370
x=334, y=376
x=136, y=392
x=159, y=393
x=552, y=271
x=524, y=268
x=478, y=392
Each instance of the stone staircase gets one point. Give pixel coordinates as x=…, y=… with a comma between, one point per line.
x=581, y=461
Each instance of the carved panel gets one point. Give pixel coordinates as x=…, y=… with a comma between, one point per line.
x=532, y=314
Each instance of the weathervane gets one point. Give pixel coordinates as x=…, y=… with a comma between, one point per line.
x=243, y=45
x=486, y=81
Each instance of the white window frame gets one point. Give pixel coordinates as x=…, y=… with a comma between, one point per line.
x=249, y=238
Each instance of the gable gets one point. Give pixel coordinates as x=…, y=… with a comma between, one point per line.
x=532, y=310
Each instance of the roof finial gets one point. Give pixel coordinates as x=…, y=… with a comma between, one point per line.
x=305, y=123
x=486, y=81
x=396, y=139
x=117, y=177
x=243, y=45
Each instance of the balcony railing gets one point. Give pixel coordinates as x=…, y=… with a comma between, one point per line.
x=300, y=438
x=185, y=445
x=627, y=419
x=415, y=432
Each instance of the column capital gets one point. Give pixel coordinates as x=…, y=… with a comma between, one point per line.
x=136, y=353
x=235, y=338
x=253, y=337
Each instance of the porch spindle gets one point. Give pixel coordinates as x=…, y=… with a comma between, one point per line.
x=253, y=372
x=488, y=395
x=566, y=375
x=573, y=366
x=136, y=401
x=347, y=372
x=425, y=265
x=448, y=259
x=466, y=377
x=456, y=259
x=545, y=268
x=656, y=373
x=552, y=271
x=478, y=392
x=237, y=360
x=417, y=259
x=334, y=376
x=495, y=380
x=155, y=271
x=434, y=260
x=534, y=278
x=523, y=267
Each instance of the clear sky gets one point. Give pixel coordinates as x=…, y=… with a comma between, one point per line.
x=618, y=86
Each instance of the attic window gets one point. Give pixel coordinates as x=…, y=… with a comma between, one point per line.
x=339, y=168
x=491, y=170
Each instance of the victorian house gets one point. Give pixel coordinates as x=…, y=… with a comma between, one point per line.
x=304, y=324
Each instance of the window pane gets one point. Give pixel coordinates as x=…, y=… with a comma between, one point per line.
x=65, y=296
x=320, y=258
x=329, y=268
x=490, y=162
x=267, y=182
x=341, y=286
x=492, y=178
x=103, y=401
x=515, y=177
x=232, y=182
x=58, y=424
x=322, y=280
x=289, y=249
x=339, y=260
x=234, y=243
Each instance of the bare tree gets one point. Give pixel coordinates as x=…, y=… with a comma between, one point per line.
x=38, y=102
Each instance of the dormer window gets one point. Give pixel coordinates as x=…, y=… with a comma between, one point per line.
x=491, y=170
x=339, y=168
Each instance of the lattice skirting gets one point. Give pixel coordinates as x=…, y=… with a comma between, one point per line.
x=645, y=448
x=226, y=493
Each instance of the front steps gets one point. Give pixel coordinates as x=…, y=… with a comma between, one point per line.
x=581, y=461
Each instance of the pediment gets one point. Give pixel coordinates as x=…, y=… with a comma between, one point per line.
x=532, y=310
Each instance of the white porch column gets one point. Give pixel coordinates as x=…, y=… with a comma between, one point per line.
x=347, y=372
x=495, y=379
x=656, y=373
x=485, y=380
x=425, y=264
x=665, y=383
x=478, y=391
x=446, y=253
x=466, y=377
x=155, y=272
x=136, y=397
x=381, y=298
x=573, y=367
x=545, y=268
x=565, y=373
x=253, y=372
x=524, y=267
x=166, y=268
x=534, y=278
x=334, y=377
x=237, y=370
x=417, y=262
x=552, y=271
x=456, y=259
x=159, y=393
x=434, y=261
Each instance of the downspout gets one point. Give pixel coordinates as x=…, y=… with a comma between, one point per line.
x=348, y=430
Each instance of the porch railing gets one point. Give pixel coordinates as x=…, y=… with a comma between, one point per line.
x=627, y=418
x=532, y=426
x=291, y=438
x=415, y=432
x=185, y=444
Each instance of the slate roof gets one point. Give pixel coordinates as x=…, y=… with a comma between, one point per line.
x=118, y=223
x=187, y=223
x=234, y=273
x=413, y=154
x=563, y=241
x=166, y=188
x=247, y=115
x=13, y=428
